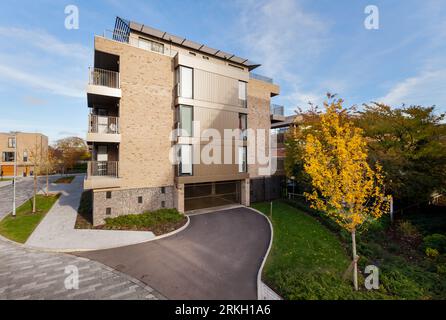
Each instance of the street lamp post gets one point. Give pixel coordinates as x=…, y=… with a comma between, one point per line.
x=15, y=174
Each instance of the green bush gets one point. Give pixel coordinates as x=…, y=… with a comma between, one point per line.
x=144, y=220
x=397, y=282
x=432, y=253
x=407, y=229
x=435, y=241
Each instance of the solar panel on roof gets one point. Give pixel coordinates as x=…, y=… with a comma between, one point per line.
x=192, y=45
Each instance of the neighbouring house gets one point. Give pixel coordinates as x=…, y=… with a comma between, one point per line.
x=146, y=84
x=31, y=149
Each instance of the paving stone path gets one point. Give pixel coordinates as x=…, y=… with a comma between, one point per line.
x=31, y=274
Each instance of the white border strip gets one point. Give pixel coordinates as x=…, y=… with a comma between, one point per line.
x=260, y=283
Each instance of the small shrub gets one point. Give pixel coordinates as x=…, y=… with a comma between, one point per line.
x=398, y=283
x=407, y=229
x=432, y=253
x=441, y=269
x=435, y=241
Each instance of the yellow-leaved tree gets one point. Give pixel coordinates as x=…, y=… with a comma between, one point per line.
x=344, y=185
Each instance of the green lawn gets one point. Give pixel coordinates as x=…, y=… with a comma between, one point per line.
x=67, y=180
x=20, y=228
x=5, y=179
x=307, y=261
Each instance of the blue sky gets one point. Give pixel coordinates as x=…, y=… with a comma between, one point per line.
x=308, y=47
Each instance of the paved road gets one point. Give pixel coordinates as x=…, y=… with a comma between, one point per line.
x=56, y=231
x=31, y=274
x=24, y=191
x=216, y=257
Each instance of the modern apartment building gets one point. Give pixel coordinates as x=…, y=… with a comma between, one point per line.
x=147, y=92
x=31, y=148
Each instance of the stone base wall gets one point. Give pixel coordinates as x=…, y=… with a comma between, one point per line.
x=127, y=201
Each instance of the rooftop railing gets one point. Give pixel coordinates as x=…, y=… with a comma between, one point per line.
x=260, y=77
x=102, y=77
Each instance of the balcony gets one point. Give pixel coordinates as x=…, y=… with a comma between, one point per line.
x=104, y=83
x=102, y=174
x=103, y=129
x=277, y=113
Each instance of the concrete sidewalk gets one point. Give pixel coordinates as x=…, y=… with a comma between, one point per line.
x=56, y=231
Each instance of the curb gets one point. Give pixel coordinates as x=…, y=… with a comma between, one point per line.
x=102, y=248
x=260, y=283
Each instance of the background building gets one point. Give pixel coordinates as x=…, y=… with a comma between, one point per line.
x=32, y=148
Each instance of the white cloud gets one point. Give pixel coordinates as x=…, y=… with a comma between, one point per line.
x=46, y=42
x=53, y=86
x=284, y=39
x=427, y=88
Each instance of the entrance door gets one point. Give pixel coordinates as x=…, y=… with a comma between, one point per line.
x=211, y=194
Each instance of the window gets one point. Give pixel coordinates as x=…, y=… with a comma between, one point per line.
x=108, y=211
x=242, y=93
x=243, y=125
x=192, y=53
x=25, y=156
x=242, y=163
x=185, y=165
x=185, y=118
x=108, y=195
x=11, y=142
x=184, y=81
x=205, y=58
x=139, y=199
x=163, y=190
x=8, y=156
x=163, y=204
x=151, y=45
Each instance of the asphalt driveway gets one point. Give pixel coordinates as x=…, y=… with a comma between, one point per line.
x=216, y=257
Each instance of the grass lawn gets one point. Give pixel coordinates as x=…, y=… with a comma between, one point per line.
x=5, y=179
x=67, y=180
x=159, y=222
x=20, y=228
x=307, y=260
x=310, y=254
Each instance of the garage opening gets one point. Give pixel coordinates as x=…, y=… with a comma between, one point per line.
x=211, y=194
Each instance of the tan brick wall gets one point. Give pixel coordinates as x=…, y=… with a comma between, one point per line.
x=259, y=101
x=146, y=114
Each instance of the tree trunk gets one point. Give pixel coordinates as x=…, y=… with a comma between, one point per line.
x=34, y=194
x=355, y=261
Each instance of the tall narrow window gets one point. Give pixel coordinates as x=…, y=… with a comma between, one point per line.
x=242, y=160
x=185, y=82
x=242, y=93
x=11, y=142
x=243, y=125
x=185, y=165
x=25, y=156
x=185, y=118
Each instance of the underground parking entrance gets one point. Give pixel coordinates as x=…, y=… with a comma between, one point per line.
x=211, y=194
